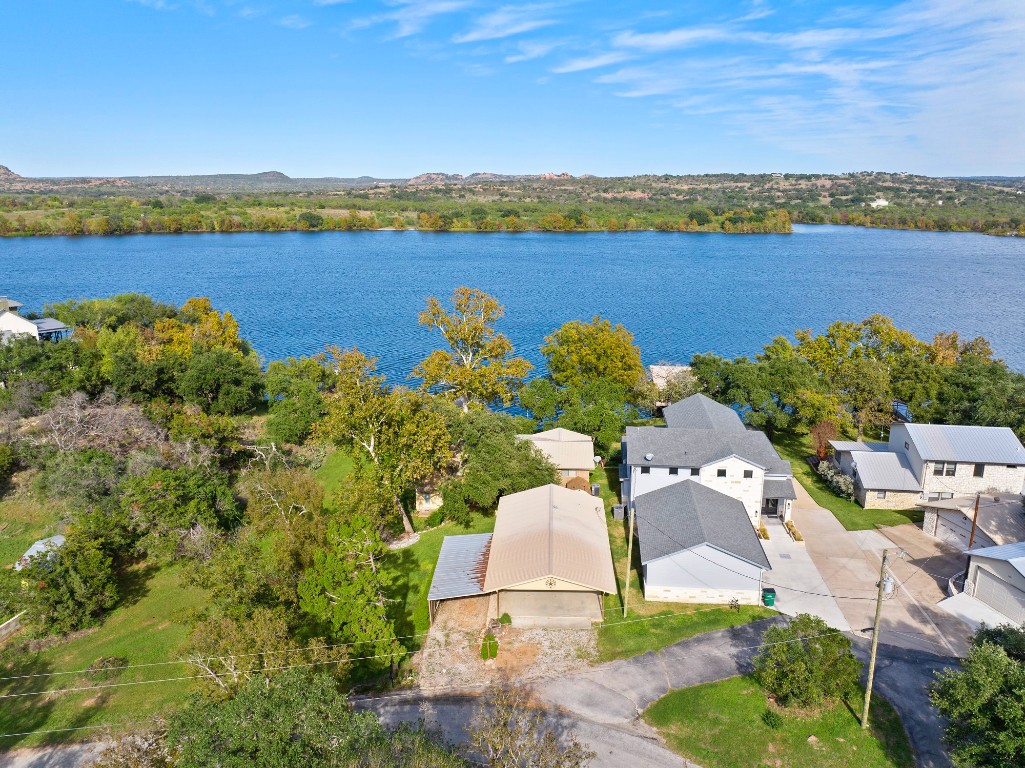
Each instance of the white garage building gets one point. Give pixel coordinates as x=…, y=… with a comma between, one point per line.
x=996, y=577
x=698, y=546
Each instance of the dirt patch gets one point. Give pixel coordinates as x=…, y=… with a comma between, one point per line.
x=451, y=655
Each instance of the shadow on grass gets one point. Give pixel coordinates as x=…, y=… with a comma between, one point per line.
x=22, y=713
x=133, y=583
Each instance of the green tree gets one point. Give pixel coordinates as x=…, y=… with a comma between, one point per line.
x=220, y=381
x=580, y=353
x=493, y=463
x=228, y=653
x=600, y=409
x=296, y=718
x=344, y=589
x=982, y=703
x=478, y=366
x=806, y=663
x=179, y=510
x=393, y=434
x=73, y=587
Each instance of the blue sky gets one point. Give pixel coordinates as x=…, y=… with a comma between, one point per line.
x=400, y=87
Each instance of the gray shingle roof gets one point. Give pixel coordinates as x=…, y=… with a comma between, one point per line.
x=952, y=442
x=700, y=412
x=462, y=563
x=884, y=471
x=698, y=447
x=779, y=488
x=687, y=514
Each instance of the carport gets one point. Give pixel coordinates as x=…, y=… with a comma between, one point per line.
x=460, y=571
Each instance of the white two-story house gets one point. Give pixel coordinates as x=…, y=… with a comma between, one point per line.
x=697, y=489
x=930, y=462
x=707, y=442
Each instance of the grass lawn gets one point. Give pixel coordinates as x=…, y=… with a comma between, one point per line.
x=408, y=573
x=649, y=626
x=336, y=466
x=796, y=449
x=23, y=520
x=719, y=725
x=141, y=631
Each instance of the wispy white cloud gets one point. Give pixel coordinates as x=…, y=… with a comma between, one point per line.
x=673, y=38
x=506, y=22
x=411, y=16
x=159, y=5
x=529, y=50
x=596, y=61
x=295, y=21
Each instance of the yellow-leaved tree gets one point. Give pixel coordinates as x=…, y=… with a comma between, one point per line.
x=478, y=366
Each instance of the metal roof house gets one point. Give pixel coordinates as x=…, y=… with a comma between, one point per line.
x=707, y=442
x=698, y=546
x=12, y=324
x=43, y=547
x=996, y=577
x=571, y=452
x=931, y=462
x=548, y=562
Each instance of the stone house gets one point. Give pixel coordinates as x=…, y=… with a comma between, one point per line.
x=931, y=462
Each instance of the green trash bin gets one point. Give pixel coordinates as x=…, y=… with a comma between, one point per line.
x=768, y=597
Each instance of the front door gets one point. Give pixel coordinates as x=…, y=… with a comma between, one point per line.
x=771, y=508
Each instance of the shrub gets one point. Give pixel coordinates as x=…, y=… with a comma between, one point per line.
x=434, y=519
x=6, y=463
x=763, y=532
x=773, y=719
x=842, y=485
x=806, y=663
x=489, y=648
x=796, y=534
x=505, y=618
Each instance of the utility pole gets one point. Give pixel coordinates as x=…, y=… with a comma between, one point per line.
x=875, y=643
x=975, y=521
x=629, y=556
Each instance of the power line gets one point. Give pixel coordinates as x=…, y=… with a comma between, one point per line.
x=637, y=660
x=213, y=658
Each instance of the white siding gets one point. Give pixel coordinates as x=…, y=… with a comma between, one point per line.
x=748, y=491
x=1003, y=589
x=898, y=437
x=15, y=325
x=702, y=575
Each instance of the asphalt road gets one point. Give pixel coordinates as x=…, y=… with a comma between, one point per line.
x=600, y=706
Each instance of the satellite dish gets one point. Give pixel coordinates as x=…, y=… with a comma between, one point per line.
x=649, y=456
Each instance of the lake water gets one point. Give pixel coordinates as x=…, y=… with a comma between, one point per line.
x=293, y=293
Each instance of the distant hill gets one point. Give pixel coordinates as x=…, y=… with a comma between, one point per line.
x=266, y=181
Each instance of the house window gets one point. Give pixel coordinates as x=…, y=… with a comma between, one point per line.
x=937, y=469
x=748, y=474
x=1012, y=466
x=980, y=470
x=674, y=470
x=951, y=469
x=880, y=494
x=907, y=446
x=720, y=473
x=695, y=471
x=645, y=470
x=941, y=468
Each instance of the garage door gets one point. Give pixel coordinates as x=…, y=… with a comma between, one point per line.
x=999, y=595
x=956, y=531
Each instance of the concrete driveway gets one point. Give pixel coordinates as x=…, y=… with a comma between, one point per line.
x=849, y=562
x=799, y=586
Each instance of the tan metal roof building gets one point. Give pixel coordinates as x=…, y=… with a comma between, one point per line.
x=566, y=449
x=550, y=533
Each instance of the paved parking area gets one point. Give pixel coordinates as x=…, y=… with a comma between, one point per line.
x=799, y=586
x=849, y=562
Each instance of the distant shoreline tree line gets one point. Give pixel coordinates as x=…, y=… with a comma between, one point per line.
x=73, y=217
